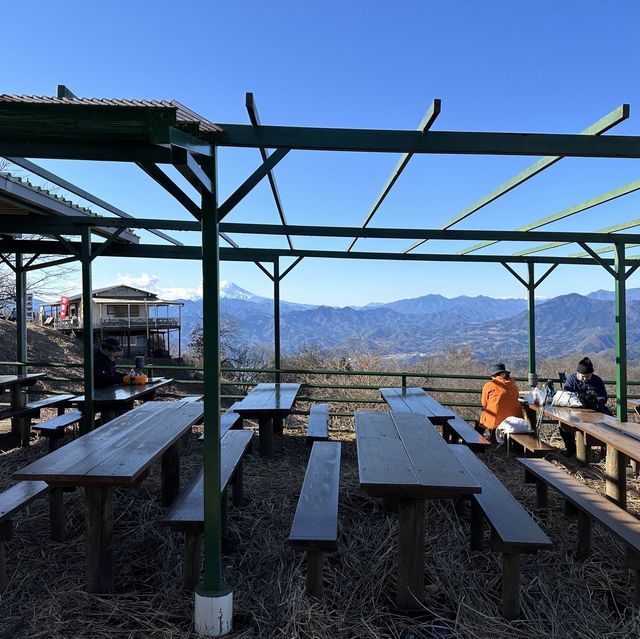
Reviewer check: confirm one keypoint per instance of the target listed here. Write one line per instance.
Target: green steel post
(404, 381)
(87, 331)
(531, 289)
(21, 315)
(621, 334)
(276, 318)
(211, 366)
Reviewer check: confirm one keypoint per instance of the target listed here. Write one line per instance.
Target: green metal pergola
(157, 134)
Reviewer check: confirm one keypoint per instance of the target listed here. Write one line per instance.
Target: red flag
(64, 305)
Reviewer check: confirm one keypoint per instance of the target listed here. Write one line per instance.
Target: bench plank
(59, 423)
(187, 511)
(532, 444)
(508, 519)
(20, 495)
(318, 424)
(622, 524)
(467, 434)
(36, 406)
(315, 524)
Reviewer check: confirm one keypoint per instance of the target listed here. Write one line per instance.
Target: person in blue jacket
(104, 365)
(591, 390)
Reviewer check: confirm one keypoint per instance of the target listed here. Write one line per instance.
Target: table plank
(401, 454)
(277, 400)
(124, 393)
(118, 452)
(417, 401)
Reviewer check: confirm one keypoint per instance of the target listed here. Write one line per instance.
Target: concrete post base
(213, 614)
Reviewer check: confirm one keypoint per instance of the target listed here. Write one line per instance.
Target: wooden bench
(318, 425)
(229, 421)
(457, 430)
(533, 446)
(588, 505)
(512, 529)
(12, 501)
(53, 429)
(315, 524)
(24, 414)
(187, 511)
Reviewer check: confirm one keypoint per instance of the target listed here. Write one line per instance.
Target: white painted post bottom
(213, 615)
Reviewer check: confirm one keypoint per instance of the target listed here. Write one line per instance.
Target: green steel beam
(76, 190)
(63, 149)
(609, 229)
(190, 169)
(252, 110)
(233, 243)
(621, 333)
(601, 126)
(572, 210)
(531, 304)
(188, 142)
(291, 267)
(213, 582)
(159, 176)
(51, 263)
(423, 127)
(602, 251)
(252, 181)
(447, 142)
(21, 313)
(276, 317)
(87, 331)
(436, 234)
(598, 259)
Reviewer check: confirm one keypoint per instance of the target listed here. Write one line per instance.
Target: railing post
(87, 331)
(276, 318)
(21, 315)
(404, 380)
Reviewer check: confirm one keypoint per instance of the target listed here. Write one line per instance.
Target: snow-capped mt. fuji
(231, 291)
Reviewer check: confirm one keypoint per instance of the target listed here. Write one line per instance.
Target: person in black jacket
(591, 390)
(104, 365)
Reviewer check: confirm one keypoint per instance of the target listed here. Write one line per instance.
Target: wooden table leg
(616, 476)
(18, 400)
(410, 586)
(582, 448)
(106, 415)
(278, 425)
(265, 428)
(170, 474)
(99, 538)
(56, 515)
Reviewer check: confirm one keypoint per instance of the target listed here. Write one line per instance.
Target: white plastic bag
(566, 398)
(511, 425)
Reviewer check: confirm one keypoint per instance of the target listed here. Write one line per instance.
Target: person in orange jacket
(499, 399)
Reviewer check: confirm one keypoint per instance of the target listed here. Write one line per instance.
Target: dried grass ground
(560, 597)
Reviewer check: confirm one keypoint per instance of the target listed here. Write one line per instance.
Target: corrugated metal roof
(184, 115)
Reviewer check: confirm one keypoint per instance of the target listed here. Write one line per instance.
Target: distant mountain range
(411, 328)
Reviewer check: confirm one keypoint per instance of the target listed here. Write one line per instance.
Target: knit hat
(112, 343)
(585, 366)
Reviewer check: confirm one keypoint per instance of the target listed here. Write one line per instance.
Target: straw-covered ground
(561, 597)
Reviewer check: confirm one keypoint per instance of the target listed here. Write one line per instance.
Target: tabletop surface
(268, 398)
(623, 436)
(125, 393)
(29, 378)
(415, 400)
(403, 455)
(118, 452)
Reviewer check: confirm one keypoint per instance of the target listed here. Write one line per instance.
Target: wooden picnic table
(117, 454)
(265, 403)
(622, 440)
(401, 456)
(15, 384)
(416, 400)
(115, 400)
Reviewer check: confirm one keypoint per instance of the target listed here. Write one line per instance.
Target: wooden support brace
(584, 535)
(511, 585)
(477, 526)
(315, 562)
(410, 581)
(237, 485)
(569, 509)
(56, 515)
(6, 534)
(542, 494)
(192, 560)
(99, 538)
(170, 479)
(529, 477)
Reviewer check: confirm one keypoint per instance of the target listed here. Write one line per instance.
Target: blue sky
(497, 66)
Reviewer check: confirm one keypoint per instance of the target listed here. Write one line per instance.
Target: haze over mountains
(411, 328)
